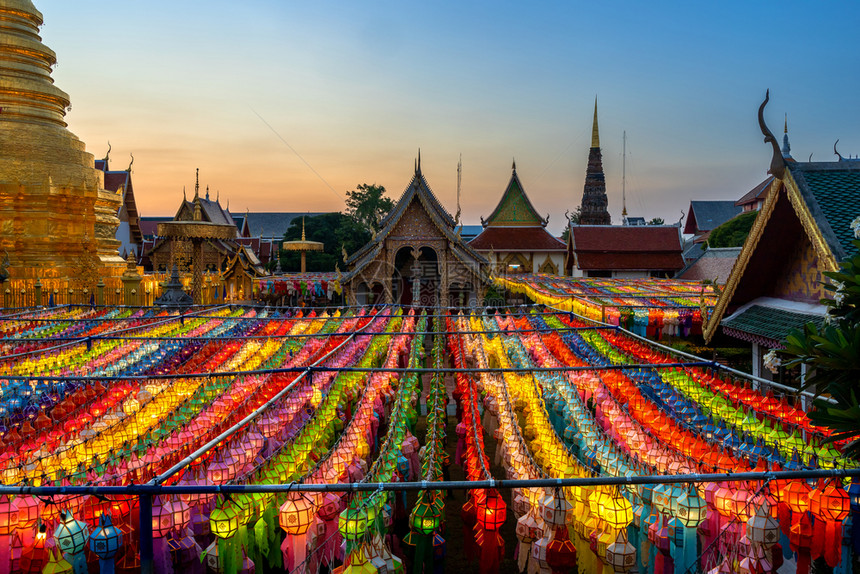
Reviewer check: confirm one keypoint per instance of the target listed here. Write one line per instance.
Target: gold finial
(785, 131)
(303, 228)
(514, 166)
(595, 136)
(197, 184)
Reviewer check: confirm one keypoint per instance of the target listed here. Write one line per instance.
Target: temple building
(217, 254)
(128, 233)
(416, 256)
(705, 216)
(802, 231)
(623, 252)
(57, 220)
(594, 201)
(514, 237)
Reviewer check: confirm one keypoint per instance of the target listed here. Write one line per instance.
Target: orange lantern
(297, 513)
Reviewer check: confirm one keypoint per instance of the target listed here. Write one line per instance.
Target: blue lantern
(105, 542)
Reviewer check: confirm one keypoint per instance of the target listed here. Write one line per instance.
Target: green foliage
(656, 221)
(832, 356)
(333, 230)
(367, 205)
(733, 232)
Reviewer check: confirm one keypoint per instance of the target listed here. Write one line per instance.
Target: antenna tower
(624, 180)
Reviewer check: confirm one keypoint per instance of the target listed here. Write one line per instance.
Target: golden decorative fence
(114, 291)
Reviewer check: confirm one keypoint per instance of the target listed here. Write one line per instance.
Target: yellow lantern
(615, 510)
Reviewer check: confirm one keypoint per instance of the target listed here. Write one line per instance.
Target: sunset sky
(284, 106)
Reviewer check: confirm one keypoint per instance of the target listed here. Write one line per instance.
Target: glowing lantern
(71, 535)
(796, 496)
(296, 513)
(690, 508)
(57, 564)
(35, 558)
(352, 523)
(491, 515)
(724, 501)
(224, 520)
(9, 515)
(180, 512)
(162, 518)
(615, 510)
(105, 542)
(28, 512)
(424, 518)
(835, 503)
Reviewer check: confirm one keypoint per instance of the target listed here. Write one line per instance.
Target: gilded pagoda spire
(595, 134)
(50, 191)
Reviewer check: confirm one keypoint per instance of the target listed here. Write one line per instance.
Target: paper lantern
(35, 558)
(621, 555)
(835, 503)
(492, 514)
(106, 539)
(560, 552)
(28, 512)
(9, 515)
(424, 519)
(762, 529)
(180, 512)
(690, 508)
(615, 510)
(71, 535)
(162, 518)
(796, 495)
(224, 520)
(352, 523)
(556, 510)
(296, 514)
(724, 501)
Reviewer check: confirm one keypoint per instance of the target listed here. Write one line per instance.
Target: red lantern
(492, 514)
(560, 552)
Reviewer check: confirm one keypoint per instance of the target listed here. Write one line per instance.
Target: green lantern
(224, 520)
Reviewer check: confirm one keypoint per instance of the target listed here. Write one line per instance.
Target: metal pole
(146, 551)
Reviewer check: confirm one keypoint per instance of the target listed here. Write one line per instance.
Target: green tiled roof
(770, 323)
(835, 191)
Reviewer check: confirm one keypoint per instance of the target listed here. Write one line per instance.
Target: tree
(832, 355)
(367, 205)
(656, 221)
(733, 232)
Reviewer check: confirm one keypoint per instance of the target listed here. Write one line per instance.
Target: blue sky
(356, 88)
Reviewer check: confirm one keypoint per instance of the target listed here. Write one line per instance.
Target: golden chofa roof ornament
(52, 199)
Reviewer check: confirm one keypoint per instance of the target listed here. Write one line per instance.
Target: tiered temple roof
(515, 224)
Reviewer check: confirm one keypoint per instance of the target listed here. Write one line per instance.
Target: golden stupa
(56, 218)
